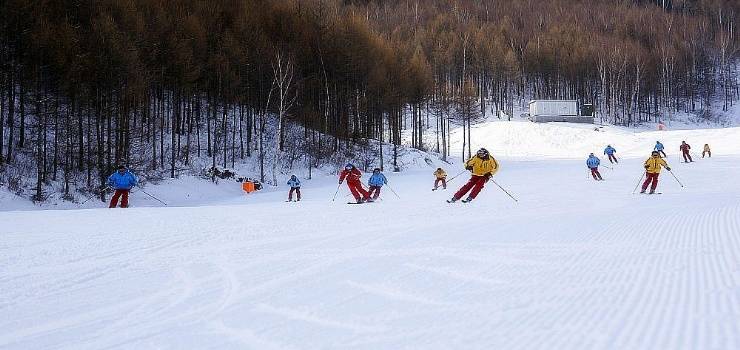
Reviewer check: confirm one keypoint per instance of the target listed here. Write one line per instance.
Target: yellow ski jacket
(654, 163)
(481, 167)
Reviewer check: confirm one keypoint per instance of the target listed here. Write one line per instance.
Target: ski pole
(394, 192)
(94, 195)
(505, 191)
(155, 198)
(448, 181)
(337, 191)
(674, 176)
(638, 183)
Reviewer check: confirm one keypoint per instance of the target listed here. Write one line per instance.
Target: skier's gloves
(647, 166)
(469, 168)
(667, 168)
(340, 182)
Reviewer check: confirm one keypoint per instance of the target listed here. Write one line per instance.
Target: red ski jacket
(685, 147)
(351, 175)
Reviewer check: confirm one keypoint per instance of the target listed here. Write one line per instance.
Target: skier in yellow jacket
(440, 176)
(482, 166)
(652, 170)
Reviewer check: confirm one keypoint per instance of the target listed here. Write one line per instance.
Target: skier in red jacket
(353, 176)
(685, 151)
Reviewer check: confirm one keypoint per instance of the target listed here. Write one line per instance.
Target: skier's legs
(298, 193)
(444, 183)
(114, 199)
(598, 173)
(463, 190)
(124, 199)
(377, 191)
(655, 183)
(436, 183)
(648, 179)
(663, 153)
(353, 189)
(290, 194)
(594, 172)
(685, 154)
(689, 155)
(478, 186)
(358, 190)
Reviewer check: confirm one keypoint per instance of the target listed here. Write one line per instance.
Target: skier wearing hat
(652, 170)
(122, 181)
(295, 186)
(659, 148)
(482, 166)
(609, 151)
(376, 181)
(685, 148)
(353, 175)
(593, 163)
(440, 176)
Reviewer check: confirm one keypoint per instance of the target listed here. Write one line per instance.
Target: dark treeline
(157, 84)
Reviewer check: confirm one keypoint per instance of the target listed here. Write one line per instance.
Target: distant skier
(375, 182)
(593, 163)
(440, 176)
(685, 148)
(295, 186)
(609, 151)
(482, 166)
(659, 147)
(122, 181)
(652, 170)
(353, 176)
(706, 151)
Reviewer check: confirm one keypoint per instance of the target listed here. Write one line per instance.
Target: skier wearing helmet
(482, 166)
(376, 181)
(353, 175)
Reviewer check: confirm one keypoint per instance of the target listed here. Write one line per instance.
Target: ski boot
(467, 200)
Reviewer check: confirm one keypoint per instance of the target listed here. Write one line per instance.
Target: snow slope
(575, 264)
(521, 139)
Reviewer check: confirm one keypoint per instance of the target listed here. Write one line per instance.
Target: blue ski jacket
(294, 183)
(593, 162)
(377, 180)
(609, 150)
(125, 181)
(659, 146)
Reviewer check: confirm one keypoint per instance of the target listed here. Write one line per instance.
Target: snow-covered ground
(575, 264)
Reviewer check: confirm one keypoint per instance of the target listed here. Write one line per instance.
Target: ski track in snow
(576, 264)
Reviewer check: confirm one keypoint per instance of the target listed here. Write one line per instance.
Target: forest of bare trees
(156, 84)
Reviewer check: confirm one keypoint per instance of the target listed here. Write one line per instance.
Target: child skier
(609, 151)
(375, 182)
(441, 176)
(353, 176)
(482, 166)
(659, 148)
(652, 170)
(685, 147)
(593, 163)
(706, 151)
(122, 181)
(295, 186)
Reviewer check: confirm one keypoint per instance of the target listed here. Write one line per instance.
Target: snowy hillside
(575, 264)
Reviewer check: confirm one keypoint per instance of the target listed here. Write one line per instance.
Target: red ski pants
(356, 188)
(374, 192)
(687, 157)
(595, 173)
(443, 181)
(118, 194)
(613, 158)
(297, 191)
(475, 183)
(650, 177)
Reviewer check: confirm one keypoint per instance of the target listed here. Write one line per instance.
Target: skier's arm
(342, 175)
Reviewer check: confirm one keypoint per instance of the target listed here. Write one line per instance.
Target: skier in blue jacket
(376, 181)
(122, 181)
(609, 151)
(659, 147)
(593, 163)
(295, 186)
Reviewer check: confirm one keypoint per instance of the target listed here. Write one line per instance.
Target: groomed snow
(576, 264)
